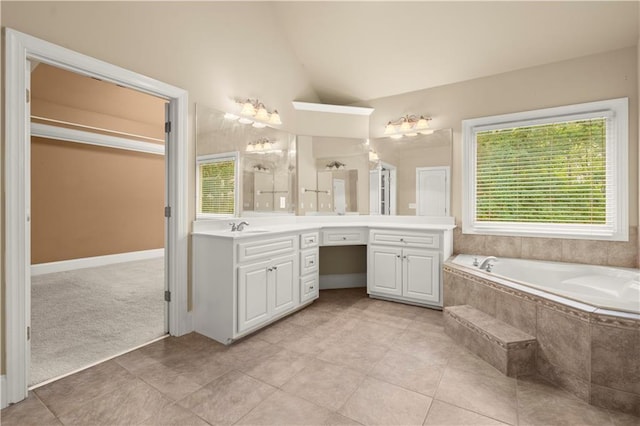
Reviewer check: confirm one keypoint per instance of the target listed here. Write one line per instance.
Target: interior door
(432, 191)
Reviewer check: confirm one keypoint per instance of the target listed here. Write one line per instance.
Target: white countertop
(268, 226)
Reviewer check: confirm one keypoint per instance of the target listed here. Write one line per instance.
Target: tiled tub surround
(610, 253)
(591, 352)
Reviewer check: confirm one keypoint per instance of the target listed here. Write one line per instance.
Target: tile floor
(345, 360)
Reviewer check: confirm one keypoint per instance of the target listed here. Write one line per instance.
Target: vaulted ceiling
(355, 51)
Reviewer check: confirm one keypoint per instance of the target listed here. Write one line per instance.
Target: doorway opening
(98, 190)
(20, 49)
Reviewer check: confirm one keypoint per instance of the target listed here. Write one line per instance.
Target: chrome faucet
(241, 225)
(485, 263)
(234, 227)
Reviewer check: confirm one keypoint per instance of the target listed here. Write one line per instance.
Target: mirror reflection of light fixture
(263, 146)
(373, 156)
(336, 165)
(408, 125)
(253, 112)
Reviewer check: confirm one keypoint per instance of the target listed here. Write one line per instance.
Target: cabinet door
(253, 295)
(309, 288)
(384, 272)
(286, 290)
(421, 277)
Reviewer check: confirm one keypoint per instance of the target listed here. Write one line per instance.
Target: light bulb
(229, 116)
(427, 132)
(267, 145)
(245, 120)
(262, 113)
(411, 134)
(423, 123)
(258, 125)
(250, 148)
(406, 125)
(389, 129)
(248, 109)
(396, 136)
(275, 118)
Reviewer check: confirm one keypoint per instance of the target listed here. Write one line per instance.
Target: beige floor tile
(623, 419)
(324, 384)
(277, 369)
(227, 399)
(445, 414)
(489, 396)
(170, 383)
(174, 415)
(245, 351)
(135, 361)
(309, 318)
(427, 316)
(380, 403)
(462, 359)
(130, 404)
(30, 412)
(431, 347)
(277, 332)
(409, 372)
(336, 419)
(201, 370)
(354, 352)
(71, 392)
(199, 342)
(305, 342)
(540, 403)
(281, 408)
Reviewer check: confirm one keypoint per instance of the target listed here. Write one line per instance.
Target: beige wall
(605, 76)
(92, 201)
(199, 46)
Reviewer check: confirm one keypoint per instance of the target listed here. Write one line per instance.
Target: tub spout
(485, 263)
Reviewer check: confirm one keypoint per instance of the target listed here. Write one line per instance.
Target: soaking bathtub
(616, 289)
(585, 319)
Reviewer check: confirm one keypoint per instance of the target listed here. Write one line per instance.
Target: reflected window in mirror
(217, 185)
(266, 162)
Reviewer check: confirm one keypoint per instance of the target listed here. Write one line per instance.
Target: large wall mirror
(411, 175)
(246, 171)
(243, 170)
(333, 175)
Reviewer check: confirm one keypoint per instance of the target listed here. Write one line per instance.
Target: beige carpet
(83, 316)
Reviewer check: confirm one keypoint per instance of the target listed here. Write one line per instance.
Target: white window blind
(558, 172)
(217, 185)
(550, 173)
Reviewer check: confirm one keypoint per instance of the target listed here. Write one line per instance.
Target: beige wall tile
(615, 358)
(542, 249)
(584, 251)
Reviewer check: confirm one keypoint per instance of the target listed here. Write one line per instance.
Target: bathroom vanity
(243, 281)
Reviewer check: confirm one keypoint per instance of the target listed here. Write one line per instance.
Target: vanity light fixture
(336, 165)
(409, 125)
(253, 112)
(373, 156)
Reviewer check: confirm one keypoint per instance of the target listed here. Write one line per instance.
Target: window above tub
(556, 172)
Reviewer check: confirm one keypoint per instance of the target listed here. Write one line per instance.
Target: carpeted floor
(83, 316)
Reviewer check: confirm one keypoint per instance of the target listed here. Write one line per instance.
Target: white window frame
(215, 158)
(617, 146)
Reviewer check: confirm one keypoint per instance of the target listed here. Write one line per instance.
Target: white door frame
(447, 189)
(19, 48)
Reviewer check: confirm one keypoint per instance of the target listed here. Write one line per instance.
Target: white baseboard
(3, 392)
(333, 281)
(90, 262)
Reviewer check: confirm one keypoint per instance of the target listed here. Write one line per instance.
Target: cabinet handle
(311, 263)
(344, 238)
(275, 268)
(269, 269)
(404, 257)
(402, 240)
(398, 256)
(311, 287)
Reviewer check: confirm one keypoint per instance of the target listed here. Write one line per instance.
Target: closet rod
(51, 120)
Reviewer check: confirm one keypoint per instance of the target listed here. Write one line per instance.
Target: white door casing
(339, 196)
(19, 50)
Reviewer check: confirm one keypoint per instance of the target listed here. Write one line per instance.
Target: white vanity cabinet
(309, 267)
(405, 265)
(242, 284)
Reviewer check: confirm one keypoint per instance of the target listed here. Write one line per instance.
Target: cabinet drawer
(344, 237)
(309, 288)
(266, 248)
(405, 239)
(309, 239)
(308, 261)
